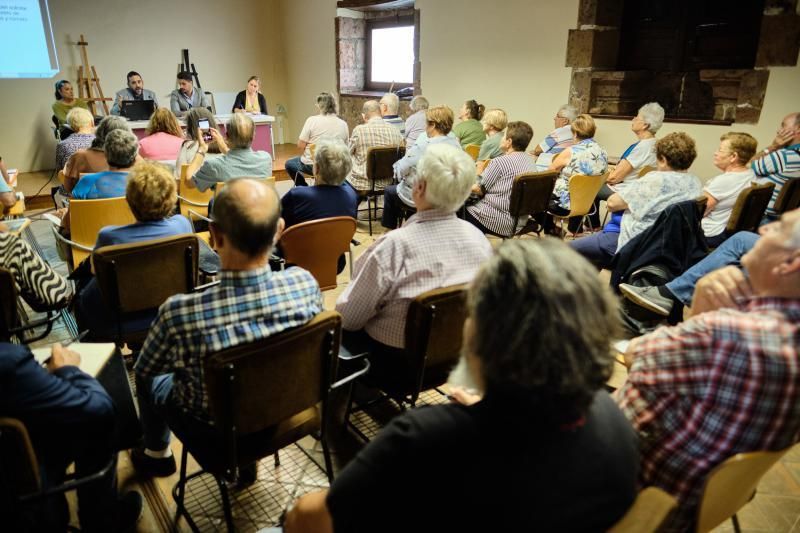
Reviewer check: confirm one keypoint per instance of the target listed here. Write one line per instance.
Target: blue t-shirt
(143, 231)
(106, 184)
(302, 204)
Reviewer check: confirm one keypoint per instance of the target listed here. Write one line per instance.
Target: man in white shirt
(558, 139)
(390, 104)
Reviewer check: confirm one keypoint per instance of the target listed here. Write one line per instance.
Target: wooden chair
(748, 211)
(648, 512)
(731, 485)
(789, 197)
(15, 211)
(138, 277)
(190, 198)
(645, 169)
(317, 245)
(264, 396)
(473, 150)
(379, 167)
(481, 165)
(530, 194)
(583, 190)
(11, 325)
(87, 218)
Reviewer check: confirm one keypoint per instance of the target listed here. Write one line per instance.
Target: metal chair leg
(277, 460)
(735, 520)
(369, 212)
(226, 503)
(326, 453)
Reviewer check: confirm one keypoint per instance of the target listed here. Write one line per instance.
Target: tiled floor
(776, 507)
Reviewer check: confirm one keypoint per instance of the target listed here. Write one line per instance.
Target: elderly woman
(536, 346)
(439, 122)
(65, 101)
(326, 124)
(415, 124)
(491, 213)
(470, 129)
(82, 123)
(732, 158)
(164, 136)
(199, 122)
(494, 122)
(93, 159)
(644, 199)
(557, 140)
(251, 100)
(151, 194)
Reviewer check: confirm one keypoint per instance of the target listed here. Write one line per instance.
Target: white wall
(228, 42)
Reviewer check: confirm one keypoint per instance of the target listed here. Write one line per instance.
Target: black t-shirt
(489, 468)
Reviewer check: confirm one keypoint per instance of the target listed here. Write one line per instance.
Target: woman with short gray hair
(415, 124)
(81, 122)
(93, 159)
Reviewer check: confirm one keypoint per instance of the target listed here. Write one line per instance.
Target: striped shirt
(36, 281)
(496, 181)
(433, 249)
(375, 133)
(778, 167)
(246, 306)
(718, 384)
(70, 145)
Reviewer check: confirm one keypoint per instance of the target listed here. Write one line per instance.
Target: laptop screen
(137, 109)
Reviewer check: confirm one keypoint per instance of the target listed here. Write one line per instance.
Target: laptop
(137, 109)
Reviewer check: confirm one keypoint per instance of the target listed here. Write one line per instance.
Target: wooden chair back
(789, 197)
(18, 462)
(473, 150)
(88, 217)
(645, 169)
(748, 211)
(316, 246)
(380, 161)
(583, 190)
(731, 485)
(530, 194)
(651, 507)
(190, 198)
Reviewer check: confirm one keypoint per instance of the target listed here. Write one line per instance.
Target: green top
(469, 132)
(60, 109)
(491, 147)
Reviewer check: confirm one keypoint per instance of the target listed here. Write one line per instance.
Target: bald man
(374, 132)
(780, 161)
(250, 303)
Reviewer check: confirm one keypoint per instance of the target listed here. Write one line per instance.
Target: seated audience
(191, 144)
(433, 249)
(536, 344)
(780, 161)
(38, 284)
(65, 102)
(557, 140)
(239, 160)
(92, 159)
(326, 124)
(390, 106)
(251, 100)
(470, 129)
(439, 122)
(724, 381)
(164, 137)
(732, 158)
(415, 124)
(151, 194)
(374, 133)
(250, 303)
(82, 123)
(134, 91)
(186, 96)
(70, 419)
(644, 199)
(494, 122)
(491, 213)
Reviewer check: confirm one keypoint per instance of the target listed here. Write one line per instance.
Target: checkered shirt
(246, 306)
(433, 249)
(374, 133)
(721, 383)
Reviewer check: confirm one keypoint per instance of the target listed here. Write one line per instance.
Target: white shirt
(642, 155)
(725, 188)
(319, 127)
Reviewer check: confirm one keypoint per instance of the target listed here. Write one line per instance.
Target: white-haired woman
(81, 122)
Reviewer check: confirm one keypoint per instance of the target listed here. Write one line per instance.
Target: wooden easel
(85, 84)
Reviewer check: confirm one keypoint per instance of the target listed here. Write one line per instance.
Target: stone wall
(351, 45)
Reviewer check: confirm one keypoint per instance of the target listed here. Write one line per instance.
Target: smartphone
(204, 127)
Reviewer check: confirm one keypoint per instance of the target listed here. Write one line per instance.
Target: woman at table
(164, 137)
(250, 100)
(65, 101)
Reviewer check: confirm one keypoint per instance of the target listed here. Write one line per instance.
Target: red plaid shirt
(721, 383)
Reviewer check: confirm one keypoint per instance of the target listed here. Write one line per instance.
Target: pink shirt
(160, 147)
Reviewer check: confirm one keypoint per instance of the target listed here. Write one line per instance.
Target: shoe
(129, 509)
(648, 297)
(152, 466)
(247, 476)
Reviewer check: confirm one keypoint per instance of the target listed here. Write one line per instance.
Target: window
(390, 53)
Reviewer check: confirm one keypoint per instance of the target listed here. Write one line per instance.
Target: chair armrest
(198, 215)
(355, 375)
(196, 204)
(69, 242)
(72, 484)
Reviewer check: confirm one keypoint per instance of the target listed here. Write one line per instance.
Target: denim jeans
(598, 248)
(294, 166)
(728, 253)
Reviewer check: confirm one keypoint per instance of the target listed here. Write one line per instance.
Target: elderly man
(536, 343)
(780, 161)
(415, 124)
(724, 381)
(250, 303)
(558, 139)
(433, 249)
(375, 132)
(134, 91)
(185, 97)
(239, 160)
(390, 104)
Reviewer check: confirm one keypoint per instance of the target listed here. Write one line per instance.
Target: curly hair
(677, 149)
(543, 325)
(164, 120)
(151, 191)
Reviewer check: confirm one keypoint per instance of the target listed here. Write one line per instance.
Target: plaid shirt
(721, 383)
(246, 306)
(374, 133)
(433, 249)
